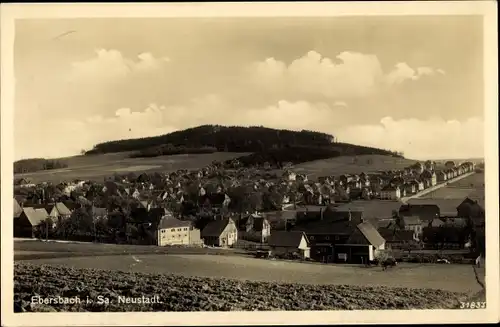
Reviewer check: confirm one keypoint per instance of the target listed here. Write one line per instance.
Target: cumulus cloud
(110, 66)
(418, 139)
(421, 139)
(403, 72)
(350, 74)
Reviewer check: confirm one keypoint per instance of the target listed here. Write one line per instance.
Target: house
(28, 221)
(418, 167)
(411, 223)
(18, 210)
(282, 243)
(419, 185)
(172, 231)
(441, 176)
(429, 178)
(220, 232)
(342, 240)
(425, 212)
(397, 238)
(57, 211)
(390, 192)
(410, 188)
(449, 164)
(470, 208)
(445, 237)
(254, 228)
(436, 222)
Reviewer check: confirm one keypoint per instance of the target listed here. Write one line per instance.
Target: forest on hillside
(222, 138)
(37, 164)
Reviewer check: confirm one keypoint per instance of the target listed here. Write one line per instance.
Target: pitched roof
(423, 211)
(437, 222)
(62, 209)
(171, 222)
(286, 239)
(395, 235)
(35, 216)
(17, 209)
(411, 220)
(371, 234)
(446, 206)
(215, 228)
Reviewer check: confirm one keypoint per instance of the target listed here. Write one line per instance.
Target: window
(336, 238)
(327, 238)
(179, 229)
(312, 238)
(162, 231)
(185, 228)
(172, 230)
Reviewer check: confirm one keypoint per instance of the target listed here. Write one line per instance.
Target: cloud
(421, 139)
(350, 74)
(109, 66)
(402, 72)
(418, 139)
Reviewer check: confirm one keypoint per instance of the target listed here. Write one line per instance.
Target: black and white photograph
(265, 160)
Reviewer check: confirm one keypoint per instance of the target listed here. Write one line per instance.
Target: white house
(282, 243)
(390, 193)
(221, 232)
(172, 231)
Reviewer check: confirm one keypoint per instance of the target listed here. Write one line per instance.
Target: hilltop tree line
(266, 144)
(222, 138)
(37, 164)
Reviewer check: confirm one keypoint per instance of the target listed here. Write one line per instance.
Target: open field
(460, 278)
(471, 186)
(178, 293)
(24, 250)
(351, 165)
(96, 167)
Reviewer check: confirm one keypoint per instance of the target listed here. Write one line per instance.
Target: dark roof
(411, 220)
(286, 239)
(71, 205)
(395, 235)
(328, 227)
(446, 206)
(215, 228)
(171, 222)
(423, 211)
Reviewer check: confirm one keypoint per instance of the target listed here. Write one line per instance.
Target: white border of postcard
(487, 9)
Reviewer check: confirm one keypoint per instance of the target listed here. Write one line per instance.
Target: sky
(412, 84)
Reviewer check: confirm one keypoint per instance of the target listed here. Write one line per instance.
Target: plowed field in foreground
(179, 293)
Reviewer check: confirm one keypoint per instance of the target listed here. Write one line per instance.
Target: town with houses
(282, 215)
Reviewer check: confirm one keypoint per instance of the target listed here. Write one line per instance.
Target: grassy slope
(460, 278)
(96, 167)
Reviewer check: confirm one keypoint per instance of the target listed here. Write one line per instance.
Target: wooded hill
(274, 146)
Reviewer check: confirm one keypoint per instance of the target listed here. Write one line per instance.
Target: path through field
(457, 278)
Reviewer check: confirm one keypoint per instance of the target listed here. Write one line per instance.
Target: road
(436, 187)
